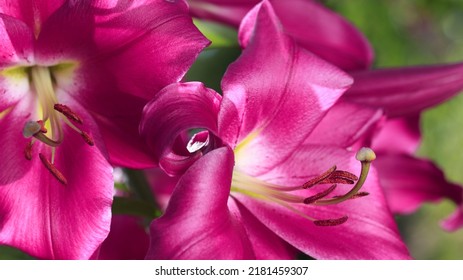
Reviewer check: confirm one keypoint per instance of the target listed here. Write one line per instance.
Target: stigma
(289, 196)
(49, 128)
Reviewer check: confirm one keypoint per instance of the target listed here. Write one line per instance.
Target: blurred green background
(402, 32)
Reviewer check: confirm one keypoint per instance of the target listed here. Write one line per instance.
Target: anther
(313, 198)
(87, 138)
(318, 179)
(330, 222)
(53, 170)
(365, 156)
(68, 113)
(28, 150)
(43, 129)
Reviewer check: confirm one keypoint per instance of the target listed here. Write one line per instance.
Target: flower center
(49, 129)
(290, 196)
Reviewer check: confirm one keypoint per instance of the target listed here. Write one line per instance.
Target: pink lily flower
(74, 77)
(402, 93)
(312, 26)
(249, 186)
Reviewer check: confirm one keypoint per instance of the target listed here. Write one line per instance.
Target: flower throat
(49, 129)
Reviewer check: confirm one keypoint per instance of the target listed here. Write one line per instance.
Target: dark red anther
(87, 138)
(330, 222)
(28, 151)
(337, 180)
(313, 198)
(53, 170)
(66, 111)
(318, 179)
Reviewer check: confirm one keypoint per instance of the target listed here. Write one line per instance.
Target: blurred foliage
(405, 32)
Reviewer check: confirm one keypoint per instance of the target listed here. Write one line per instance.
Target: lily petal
(59, 221)
(408, 182)
(31, 12)
(127, 239)
(344, 124)
(272, 114)
(184, 231)
(318, 30)
(192, 106)
(406, 134)
(17, 49)
(265, 244)
(402, 91)
(370, 231)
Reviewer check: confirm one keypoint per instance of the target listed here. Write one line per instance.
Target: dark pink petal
(370, 231)
(47, 219)
(318, 30)
(455, 221)
(31, 12)
(405, 132)
(265, 244)
(127, 240)
(197, 223)
(225, 11)
(408, 182)
(402, 91)
(344, 124)
(162, 185)
(177, 109)
(274, 95)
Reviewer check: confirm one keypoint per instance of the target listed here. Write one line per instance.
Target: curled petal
(198, 225)
(175, 110)
(402, 91)
(274, 95)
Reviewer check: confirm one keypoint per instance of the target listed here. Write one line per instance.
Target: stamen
(330, 222)
(313, 198)
(87, 138)
(366, 156)
(53, 170)
(318, 179)
(43, 129)
(68, 113)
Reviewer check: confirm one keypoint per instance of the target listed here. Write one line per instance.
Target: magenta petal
(47, 219)
(408, 182)
(403, 91)
(127, 240)
(275, 94)
(455, 221)
(405, 132)
(318, 30)
(177, 109)
(344, 124)
(31, 12)
(370, 231)
(265, 244)
(197, 223)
